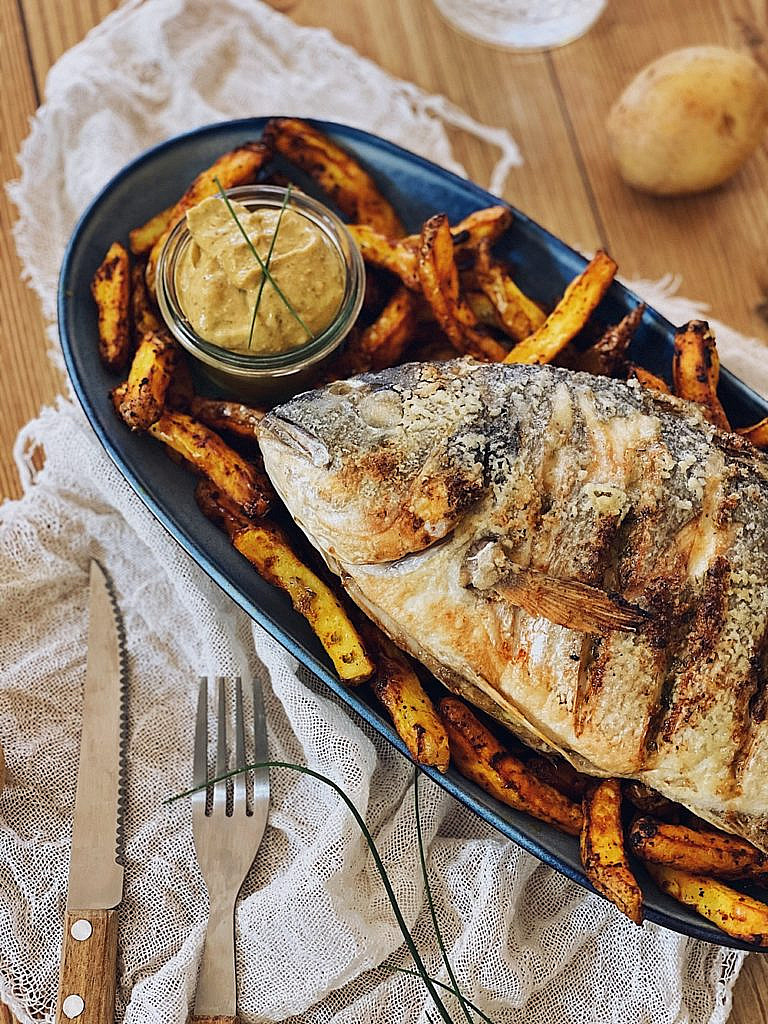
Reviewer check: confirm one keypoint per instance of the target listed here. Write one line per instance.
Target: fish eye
(381, 409)
(346, 387)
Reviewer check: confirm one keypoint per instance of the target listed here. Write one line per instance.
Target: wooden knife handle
(88, 975)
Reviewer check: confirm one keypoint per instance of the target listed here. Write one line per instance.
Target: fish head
(382, 465)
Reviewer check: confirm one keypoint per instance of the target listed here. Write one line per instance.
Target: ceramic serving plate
(417, 188)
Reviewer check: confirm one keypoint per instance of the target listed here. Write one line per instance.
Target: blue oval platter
(417, 188)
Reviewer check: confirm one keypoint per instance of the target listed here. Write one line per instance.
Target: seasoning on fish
(400, 478)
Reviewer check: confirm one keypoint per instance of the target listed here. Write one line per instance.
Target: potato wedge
(238, 167)
(439, 278)
(350, 187)
(650, 802)
(141, 239)
(484, 310)
(145, 319)
(241, 420)
(581, 298)
(480, 757)
(706, 853)
(399, 257)
(220, 508)
(696, 368)
(150, 375)
(400, 691)
(757, 434)
(648, 379)
(208, 454)
(117, 394)
(518, 315)
(738, 915)
(111, 291)
(559, 774)
(267, 548)
(385, 340)
(608, 356)
(486, 225)
(602, 849)
(181, 390)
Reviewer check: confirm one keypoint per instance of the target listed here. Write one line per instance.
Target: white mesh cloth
(313, 927)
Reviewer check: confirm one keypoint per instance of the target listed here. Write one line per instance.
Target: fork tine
(220, 788)
(226, 844)
(240, 785)
(200, 763)
(260, 795)
(260, 749)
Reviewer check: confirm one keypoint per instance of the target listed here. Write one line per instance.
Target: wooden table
(555, 106)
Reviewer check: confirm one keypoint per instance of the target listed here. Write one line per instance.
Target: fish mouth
(410, 562)
(300, 441)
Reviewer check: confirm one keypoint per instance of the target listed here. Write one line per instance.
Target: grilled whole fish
(584, 559)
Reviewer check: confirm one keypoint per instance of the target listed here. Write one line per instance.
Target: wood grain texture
(53, 26)
(88, 968)
(410, 40)
(554, 106)
(704, 238)
(27, 378)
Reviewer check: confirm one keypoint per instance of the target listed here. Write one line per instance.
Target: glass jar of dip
(278, 371)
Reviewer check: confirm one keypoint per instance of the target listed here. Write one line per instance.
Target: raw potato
(689, 120)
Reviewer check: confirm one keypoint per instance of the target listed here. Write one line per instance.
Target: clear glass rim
(274, 365)
(515, 43)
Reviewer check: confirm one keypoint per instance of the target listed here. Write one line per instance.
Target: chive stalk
(446, 988)
(407, 937)
(431, 903)
(264, 270)
(267, 263)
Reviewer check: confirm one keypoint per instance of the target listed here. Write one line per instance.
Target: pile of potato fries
(429, 295)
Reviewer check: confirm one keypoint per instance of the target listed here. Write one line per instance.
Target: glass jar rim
(283, 363)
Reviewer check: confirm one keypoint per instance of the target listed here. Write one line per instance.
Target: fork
(226, 840)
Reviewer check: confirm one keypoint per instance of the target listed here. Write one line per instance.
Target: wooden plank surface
(27, 377)
(717, 241)
(554, 105)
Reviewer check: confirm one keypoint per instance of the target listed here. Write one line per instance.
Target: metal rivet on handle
(81, 930)
(73, 1006)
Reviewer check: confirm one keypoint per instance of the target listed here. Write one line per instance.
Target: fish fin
(568, 602)
(489, 567)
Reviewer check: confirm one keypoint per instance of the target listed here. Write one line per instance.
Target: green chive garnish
(407, 937)
(431, 903)
(268, 260)
(444, 987)
(264, 269)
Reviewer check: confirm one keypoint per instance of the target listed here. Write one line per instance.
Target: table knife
(88, 975)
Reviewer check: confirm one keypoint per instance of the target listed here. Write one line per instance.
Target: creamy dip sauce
(218, 278)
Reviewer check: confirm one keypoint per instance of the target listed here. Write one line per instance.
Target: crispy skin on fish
(585, 559)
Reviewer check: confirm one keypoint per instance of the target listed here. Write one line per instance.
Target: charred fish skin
(626, 622)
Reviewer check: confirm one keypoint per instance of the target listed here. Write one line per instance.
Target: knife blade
(88, 976)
